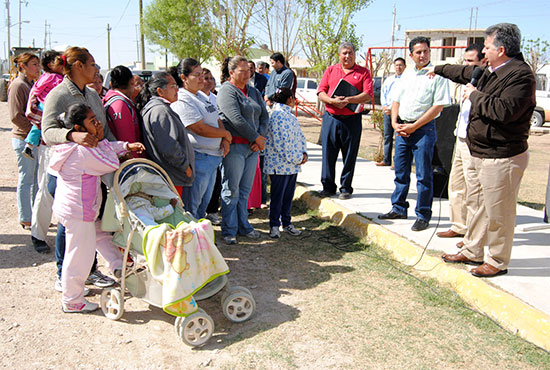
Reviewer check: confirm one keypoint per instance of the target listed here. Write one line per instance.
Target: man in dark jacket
(502, 105)
(257, 80)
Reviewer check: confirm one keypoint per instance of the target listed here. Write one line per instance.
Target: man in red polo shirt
(342, 127)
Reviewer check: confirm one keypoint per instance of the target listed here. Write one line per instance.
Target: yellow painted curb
(511, 312)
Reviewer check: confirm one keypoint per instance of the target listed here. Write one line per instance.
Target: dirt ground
(323, 302)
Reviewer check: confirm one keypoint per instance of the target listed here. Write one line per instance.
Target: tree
(327, 25)
(228, 23)
(282, 20)
(536, 53)
(180, 27)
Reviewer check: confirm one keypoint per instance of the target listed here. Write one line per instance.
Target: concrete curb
(511, 312)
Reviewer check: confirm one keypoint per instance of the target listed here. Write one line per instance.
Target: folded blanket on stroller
(183, 260)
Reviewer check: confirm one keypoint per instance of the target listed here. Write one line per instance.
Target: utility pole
(8, 25)
(45, 34)
(137, 42)
(393, 31)
(50, 34)
(20, 2)
(108, 47)
(141, 33)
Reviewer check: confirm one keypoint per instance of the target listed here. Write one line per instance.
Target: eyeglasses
(209, 78)
(97, 66)
(196, 74)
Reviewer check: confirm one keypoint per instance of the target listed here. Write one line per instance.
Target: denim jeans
(340, 134)
(419, 145)
(388, 139)
(205, 178)
(27, 183)
(238, 170)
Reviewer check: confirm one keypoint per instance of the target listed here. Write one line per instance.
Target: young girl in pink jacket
(77, 200)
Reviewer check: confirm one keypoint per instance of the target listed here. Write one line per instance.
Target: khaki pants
(461, 206)
(493, 185)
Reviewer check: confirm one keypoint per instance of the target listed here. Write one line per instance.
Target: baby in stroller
(145, 206)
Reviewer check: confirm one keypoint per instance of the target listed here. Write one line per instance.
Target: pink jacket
(78, 193)
(39, 91)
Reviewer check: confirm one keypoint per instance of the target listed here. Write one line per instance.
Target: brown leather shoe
(382, 164)
(487, 270)
(460, 244)
(449, 234)
(459, 258)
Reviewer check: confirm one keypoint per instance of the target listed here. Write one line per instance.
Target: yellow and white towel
(183, 260)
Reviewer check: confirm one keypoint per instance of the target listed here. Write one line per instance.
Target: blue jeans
(388, 139)
(27, 183)
(238, 170)
(419, 145)
(205, 177)
(340, 133)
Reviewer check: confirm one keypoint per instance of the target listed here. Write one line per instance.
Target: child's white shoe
(84, 307)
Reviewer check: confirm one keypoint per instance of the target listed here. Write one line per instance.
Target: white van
(306, 90)
(542, 110)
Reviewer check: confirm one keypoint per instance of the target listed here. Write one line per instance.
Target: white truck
(542, 110)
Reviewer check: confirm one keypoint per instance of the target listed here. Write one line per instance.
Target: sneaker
(326, 194)
(274, 232)
(214, 218)
(230, 240)
(59, 287)
(254, 234)
(344, 196)
(292, 230)
(99, 280)
(84, 307)
(27, 152)
(40, 245)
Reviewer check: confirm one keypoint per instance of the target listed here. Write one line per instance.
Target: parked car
(542, 109)
(377, 88)
(306, 90)
(4, 87)
(145, 76)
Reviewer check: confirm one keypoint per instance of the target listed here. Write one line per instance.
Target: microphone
(476, 75)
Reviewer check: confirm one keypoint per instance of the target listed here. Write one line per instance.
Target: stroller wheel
(112, 303)
(239, 306)
(235, 289)
(195, 329)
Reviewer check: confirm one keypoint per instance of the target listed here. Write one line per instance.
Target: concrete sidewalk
(528, 277)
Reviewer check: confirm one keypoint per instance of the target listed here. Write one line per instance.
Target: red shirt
(358, 76)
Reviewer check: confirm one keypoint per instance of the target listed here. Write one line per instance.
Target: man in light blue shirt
(386, 100)
(417, 102)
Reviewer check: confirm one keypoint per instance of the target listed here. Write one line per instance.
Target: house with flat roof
(447, 37)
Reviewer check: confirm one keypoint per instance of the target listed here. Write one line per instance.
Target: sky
(84, 23)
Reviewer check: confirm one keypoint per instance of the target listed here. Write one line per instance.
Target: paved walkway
(528, 275)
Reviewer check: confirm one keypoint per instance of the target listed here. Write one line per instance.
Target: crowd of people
(69, 130)
(218, 147)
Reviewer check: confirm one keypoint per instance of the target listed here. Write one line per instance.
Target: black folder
(344, 88)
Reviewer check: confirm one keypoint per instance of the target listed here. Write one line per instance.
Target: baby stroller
(169, 265)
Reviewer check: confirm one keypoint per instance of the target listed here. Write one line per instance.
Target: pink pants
(81, 241)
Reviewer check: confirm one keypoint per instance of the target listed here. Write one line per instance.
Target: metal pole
(8, 25)
(45, 34)
(19, 1)
(142, 37)
(108, 47)
(137, 43)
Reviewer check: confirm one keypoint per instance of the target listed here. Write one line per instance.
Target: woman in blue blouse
(285, 152)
